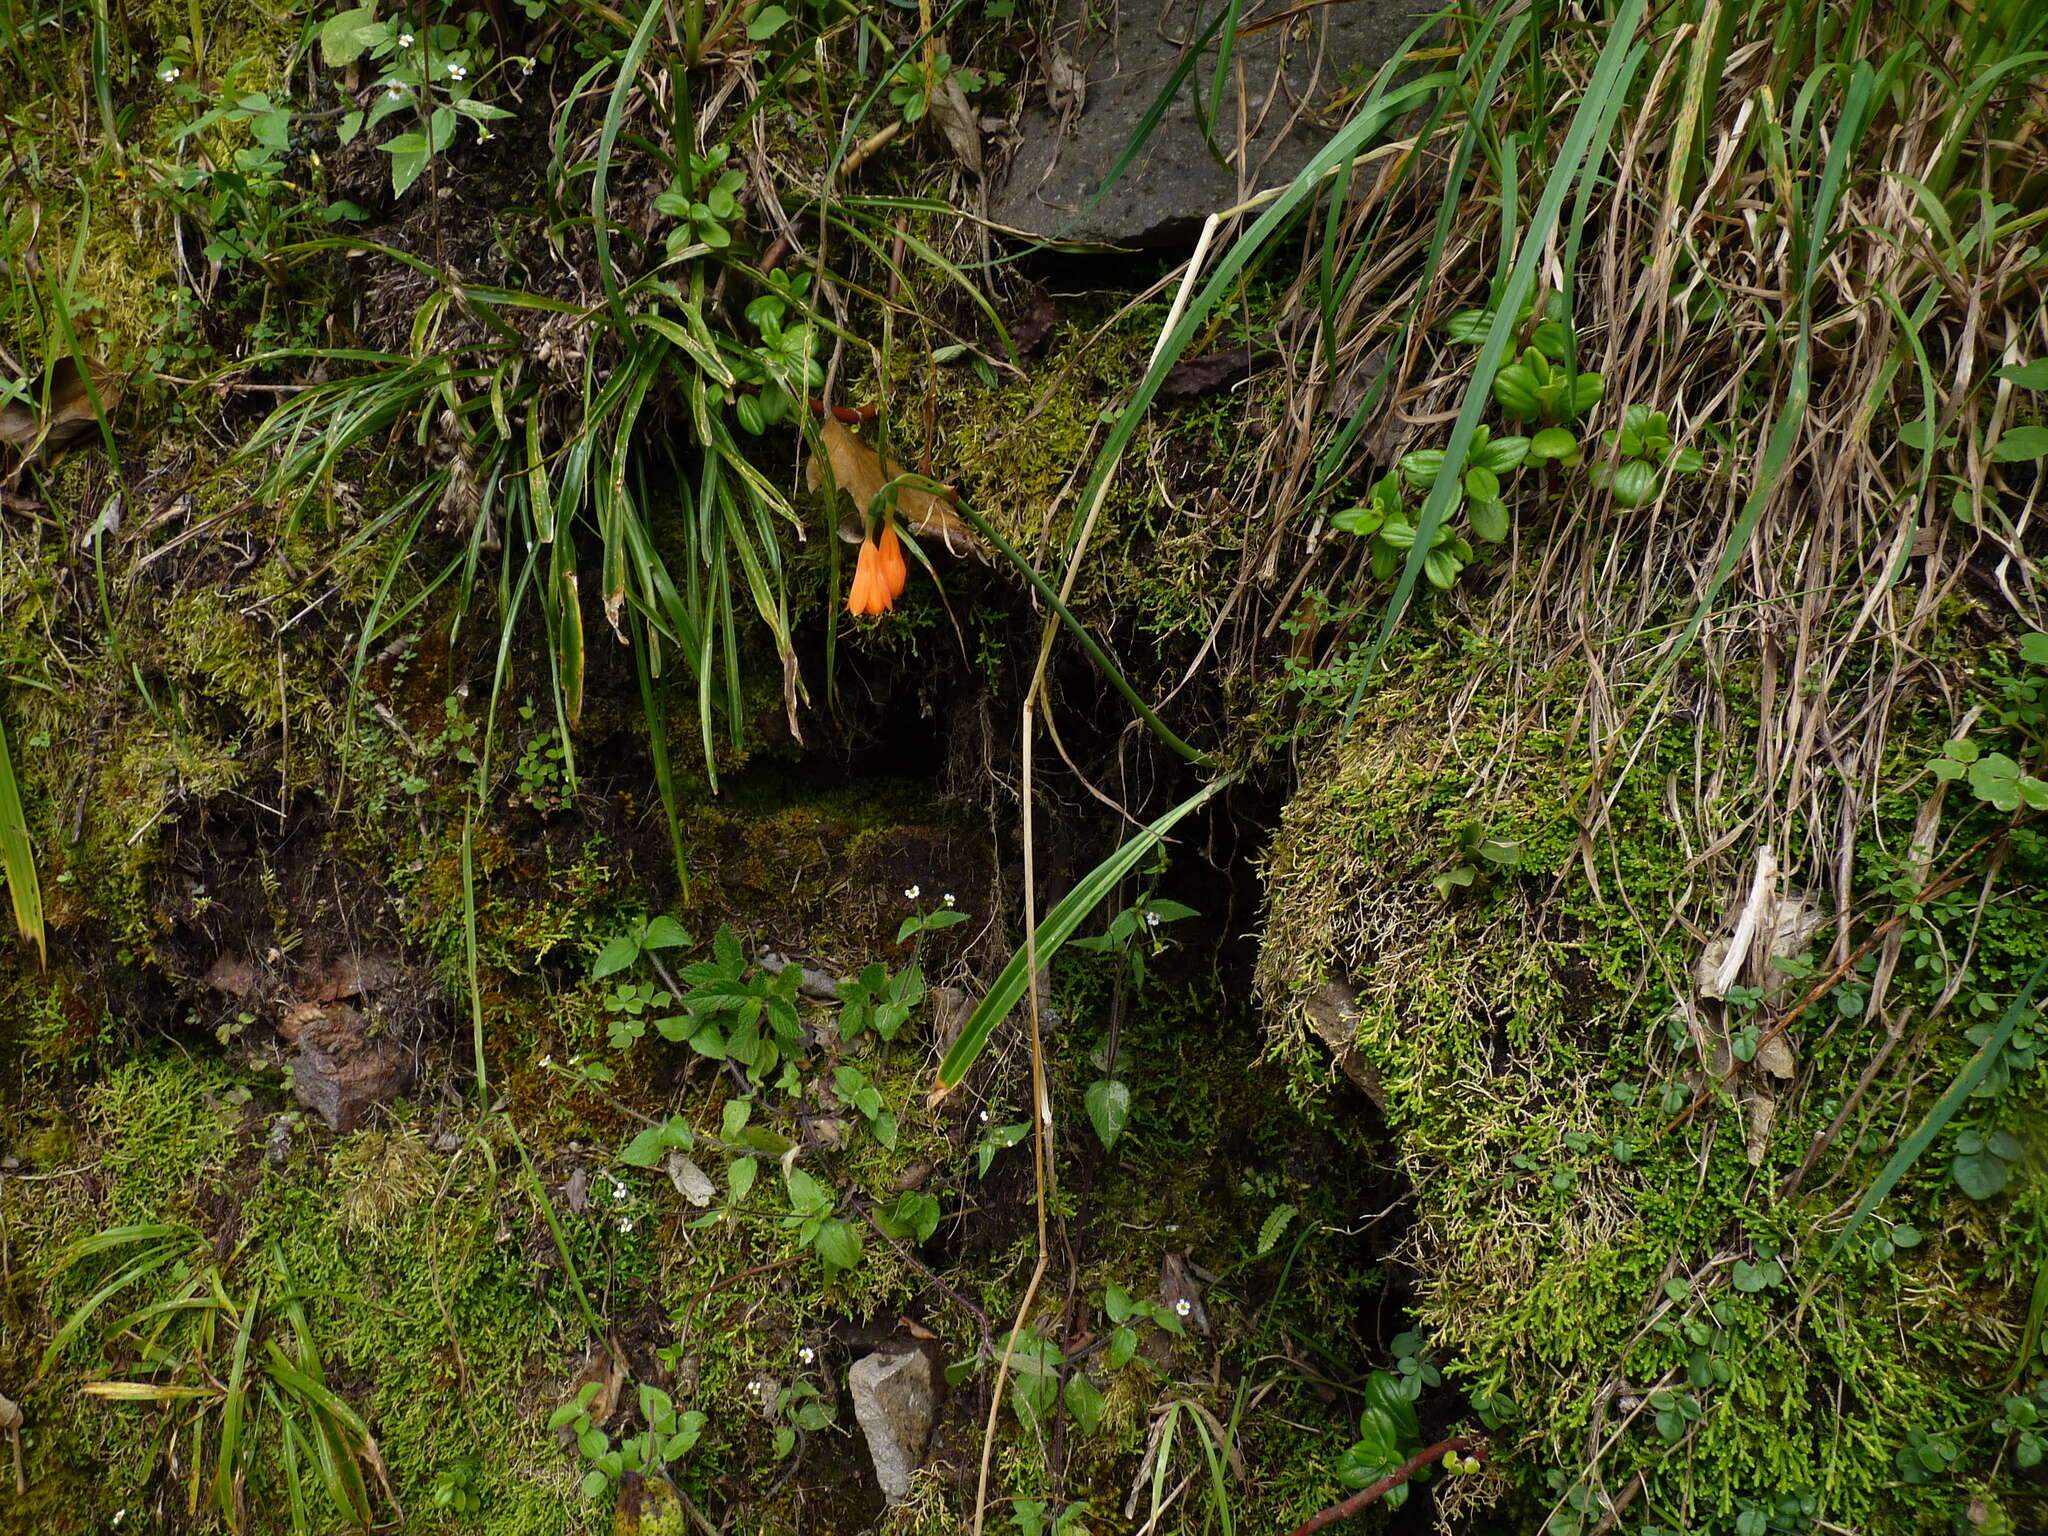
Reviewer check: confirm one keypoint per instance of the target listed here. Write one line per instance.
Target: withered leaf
(606, 1367)
(1212, 371)
(956, 118)
(1066, 83)
(29, 427)
(1030, 331)
(862, 473)
(691, 1182)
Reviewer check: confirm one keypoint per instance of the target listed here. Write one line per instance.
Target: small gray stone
(895, 1394)
(1106, 65)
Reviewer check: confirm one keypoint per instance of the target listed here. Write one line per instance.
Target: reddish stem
(850, 414)
(1392, 1480)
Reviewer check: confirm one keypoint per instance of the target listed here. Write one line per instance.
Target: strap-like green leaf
(1054, 931)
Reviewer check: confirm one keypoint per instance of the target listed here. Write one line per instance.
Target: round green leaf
(1489, 519)
(1980, 1175)
(1635, 483)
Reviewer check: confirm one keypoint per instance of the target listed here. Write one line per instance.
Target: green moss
(1526, 1031)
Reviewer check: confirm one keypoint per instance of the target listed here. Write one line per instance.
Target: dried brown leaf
(31, 427)
(1030, 331)
(606, 1367)
(956, 118)
(1213, 371)
(691, 1182)
(862, 473)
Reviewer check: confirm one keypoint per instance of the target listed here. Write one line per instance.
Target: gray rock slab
(895, 1394)
(1283, 87)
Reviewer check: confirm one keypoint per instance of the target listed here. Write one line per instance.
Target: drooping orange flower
(879, 574)
(893, 565)
(870, 593)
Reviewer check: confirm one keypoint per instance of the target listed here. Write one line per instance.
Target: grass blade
(18, 858)
(1053, 932)
(1617, 63)
(1975, 1070)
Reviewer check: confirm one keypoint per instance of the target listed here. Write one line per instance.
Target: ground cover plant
(1381, 866)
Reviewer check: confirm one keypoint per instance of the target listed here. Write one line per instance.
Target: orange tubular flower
(870, 593)
(893, 566)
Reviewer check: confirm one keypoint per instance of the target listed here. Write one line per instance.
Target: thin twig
(988, 1343)
(1393, 1480)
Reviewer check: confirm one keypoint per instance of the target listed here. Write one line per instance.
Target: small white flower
(984, 1117)
(395, 93)
(625, 1223)
(547, 1061)
(1151, 919)
(949, 898)
(526, 66)
(484, 135)
(807, 1354)
(456, 72)
(618, 1191)
(911, 892)
(1182, 1307)
(405, 39)
(169, 73)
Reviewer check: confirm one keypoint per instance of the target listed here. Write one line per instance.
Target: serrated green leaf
(1271, 1229)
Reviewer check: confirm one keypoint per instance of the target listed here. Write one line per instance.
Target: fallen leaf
(1066, 83)
(858, 470)
(349, 976)
(691, 1182)
(951, 1009)
(1212, 371)
(949, 108)
(31, 427)
(1034, 328)
(234, 974)
(1762, 1107)
(1348, 390)
(647, 1505)
(606, 1367)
